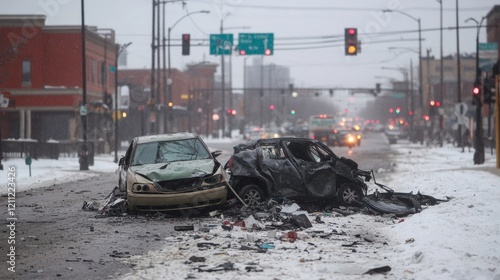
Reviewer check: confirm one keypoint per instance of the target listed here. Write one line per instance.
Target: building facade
(41, 72)
(188, 107)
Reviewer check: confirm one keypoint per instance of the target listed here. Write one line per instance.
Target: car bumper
(180, 201)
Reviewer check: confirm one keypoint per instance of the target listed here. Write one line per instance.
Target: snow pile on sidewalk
(458, 239)
(47, 172)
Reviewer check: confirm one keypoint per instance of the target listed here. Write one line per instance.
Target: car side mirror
(216, 153)
(121, 161)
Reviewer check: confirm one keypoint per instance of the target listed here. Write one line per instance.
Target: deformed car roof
(166, 137)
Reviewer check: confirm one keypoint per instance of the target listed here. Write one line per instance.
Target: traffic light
(108, 100)
(432, 108)
(268, 52)
(186, 42)
(351, 41)
(398, 110)
(489, 90)
(476, 93)
(271, 107)
(377, 88)
(476, 90)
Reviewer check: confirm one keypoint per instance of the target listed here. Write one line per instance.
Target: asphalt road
(56, 239)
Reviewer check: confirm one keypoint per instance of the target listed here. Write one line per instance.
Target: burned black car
(295, 168)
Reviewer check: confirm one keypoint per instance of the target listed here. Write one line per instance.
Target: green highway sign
(221, 44)
(488, 55)
(256, 43)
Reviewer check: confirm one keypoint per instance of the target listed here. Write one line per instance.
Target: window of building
(26, 77)
(94, 71)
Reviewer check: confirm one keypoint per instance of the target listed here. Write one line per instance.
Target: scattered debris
(197, 259)
(183, 228)
(379, 270)
(117, 254)
(112, 205)
(221, 267)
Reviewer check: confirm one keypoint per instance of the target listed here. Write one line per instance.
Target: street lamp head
(387, 11)
(469, 19)
(205, 12)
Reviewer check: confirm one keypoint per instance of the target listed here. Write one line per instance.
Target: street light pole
(479, 143)
(83, 154)
(120, 49)
(420, 78)
(169, 79)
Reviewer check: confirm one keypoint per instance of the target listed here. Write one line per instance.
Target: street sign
(398, 95)
(83, 110)
(461, 108)
(488, 55)
(221, 44)
(256, 43)
(4, 101)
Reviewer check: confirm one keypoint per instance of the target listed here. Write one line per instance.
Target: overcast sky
(291, 21)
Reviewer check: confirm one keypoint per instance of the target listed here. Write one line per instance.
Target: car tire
(350, 195)
(251, 194)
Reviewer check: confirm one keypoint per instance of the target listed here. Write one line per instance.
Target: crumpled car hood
(175, 170)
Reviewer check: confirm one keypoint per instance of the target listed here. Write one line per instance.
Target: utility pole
(223, 86)
(83, 154)
(479, 140)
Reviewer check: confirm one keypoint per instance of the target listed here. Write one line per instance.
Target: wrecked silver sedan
(171, 172)
(295, 168)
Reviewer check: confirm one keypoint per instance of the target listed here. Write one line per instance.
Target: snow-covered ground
(458, 239)
(47, 172)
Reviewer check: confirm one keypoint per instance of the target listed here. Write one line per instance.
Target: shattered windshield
(170, 151)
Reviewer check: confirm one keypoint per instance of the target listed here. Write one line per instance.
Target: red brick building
(192, 100)
(41, 71)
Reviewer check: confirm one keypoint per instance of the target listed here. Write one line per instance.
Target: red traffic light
(243, 52)
(271, 107)
(267, 52)
(351, 41)
(476, 90)
(186, 42)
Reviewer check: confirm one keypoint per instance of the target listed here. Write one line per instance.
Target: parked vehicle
(295, 168)
(171, 172)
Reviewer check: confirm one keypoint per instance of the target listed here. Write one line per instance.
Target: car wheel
(251, 194)
(349, 195)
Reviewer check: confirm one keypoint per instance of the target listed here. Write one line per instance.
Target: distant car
(171, 172)
(295, 168)
(346, 138)
(392, 133)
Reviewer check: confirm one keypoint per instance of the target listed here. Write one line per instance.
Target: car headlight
(141, 188)
(213, 179)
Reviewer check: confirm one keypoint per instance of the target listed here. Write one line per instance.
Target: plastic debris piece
(378, 270)
(290, 236)
(267, 246)
(184, 228)
(301, 221)
(409, 240)
(197, 259)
